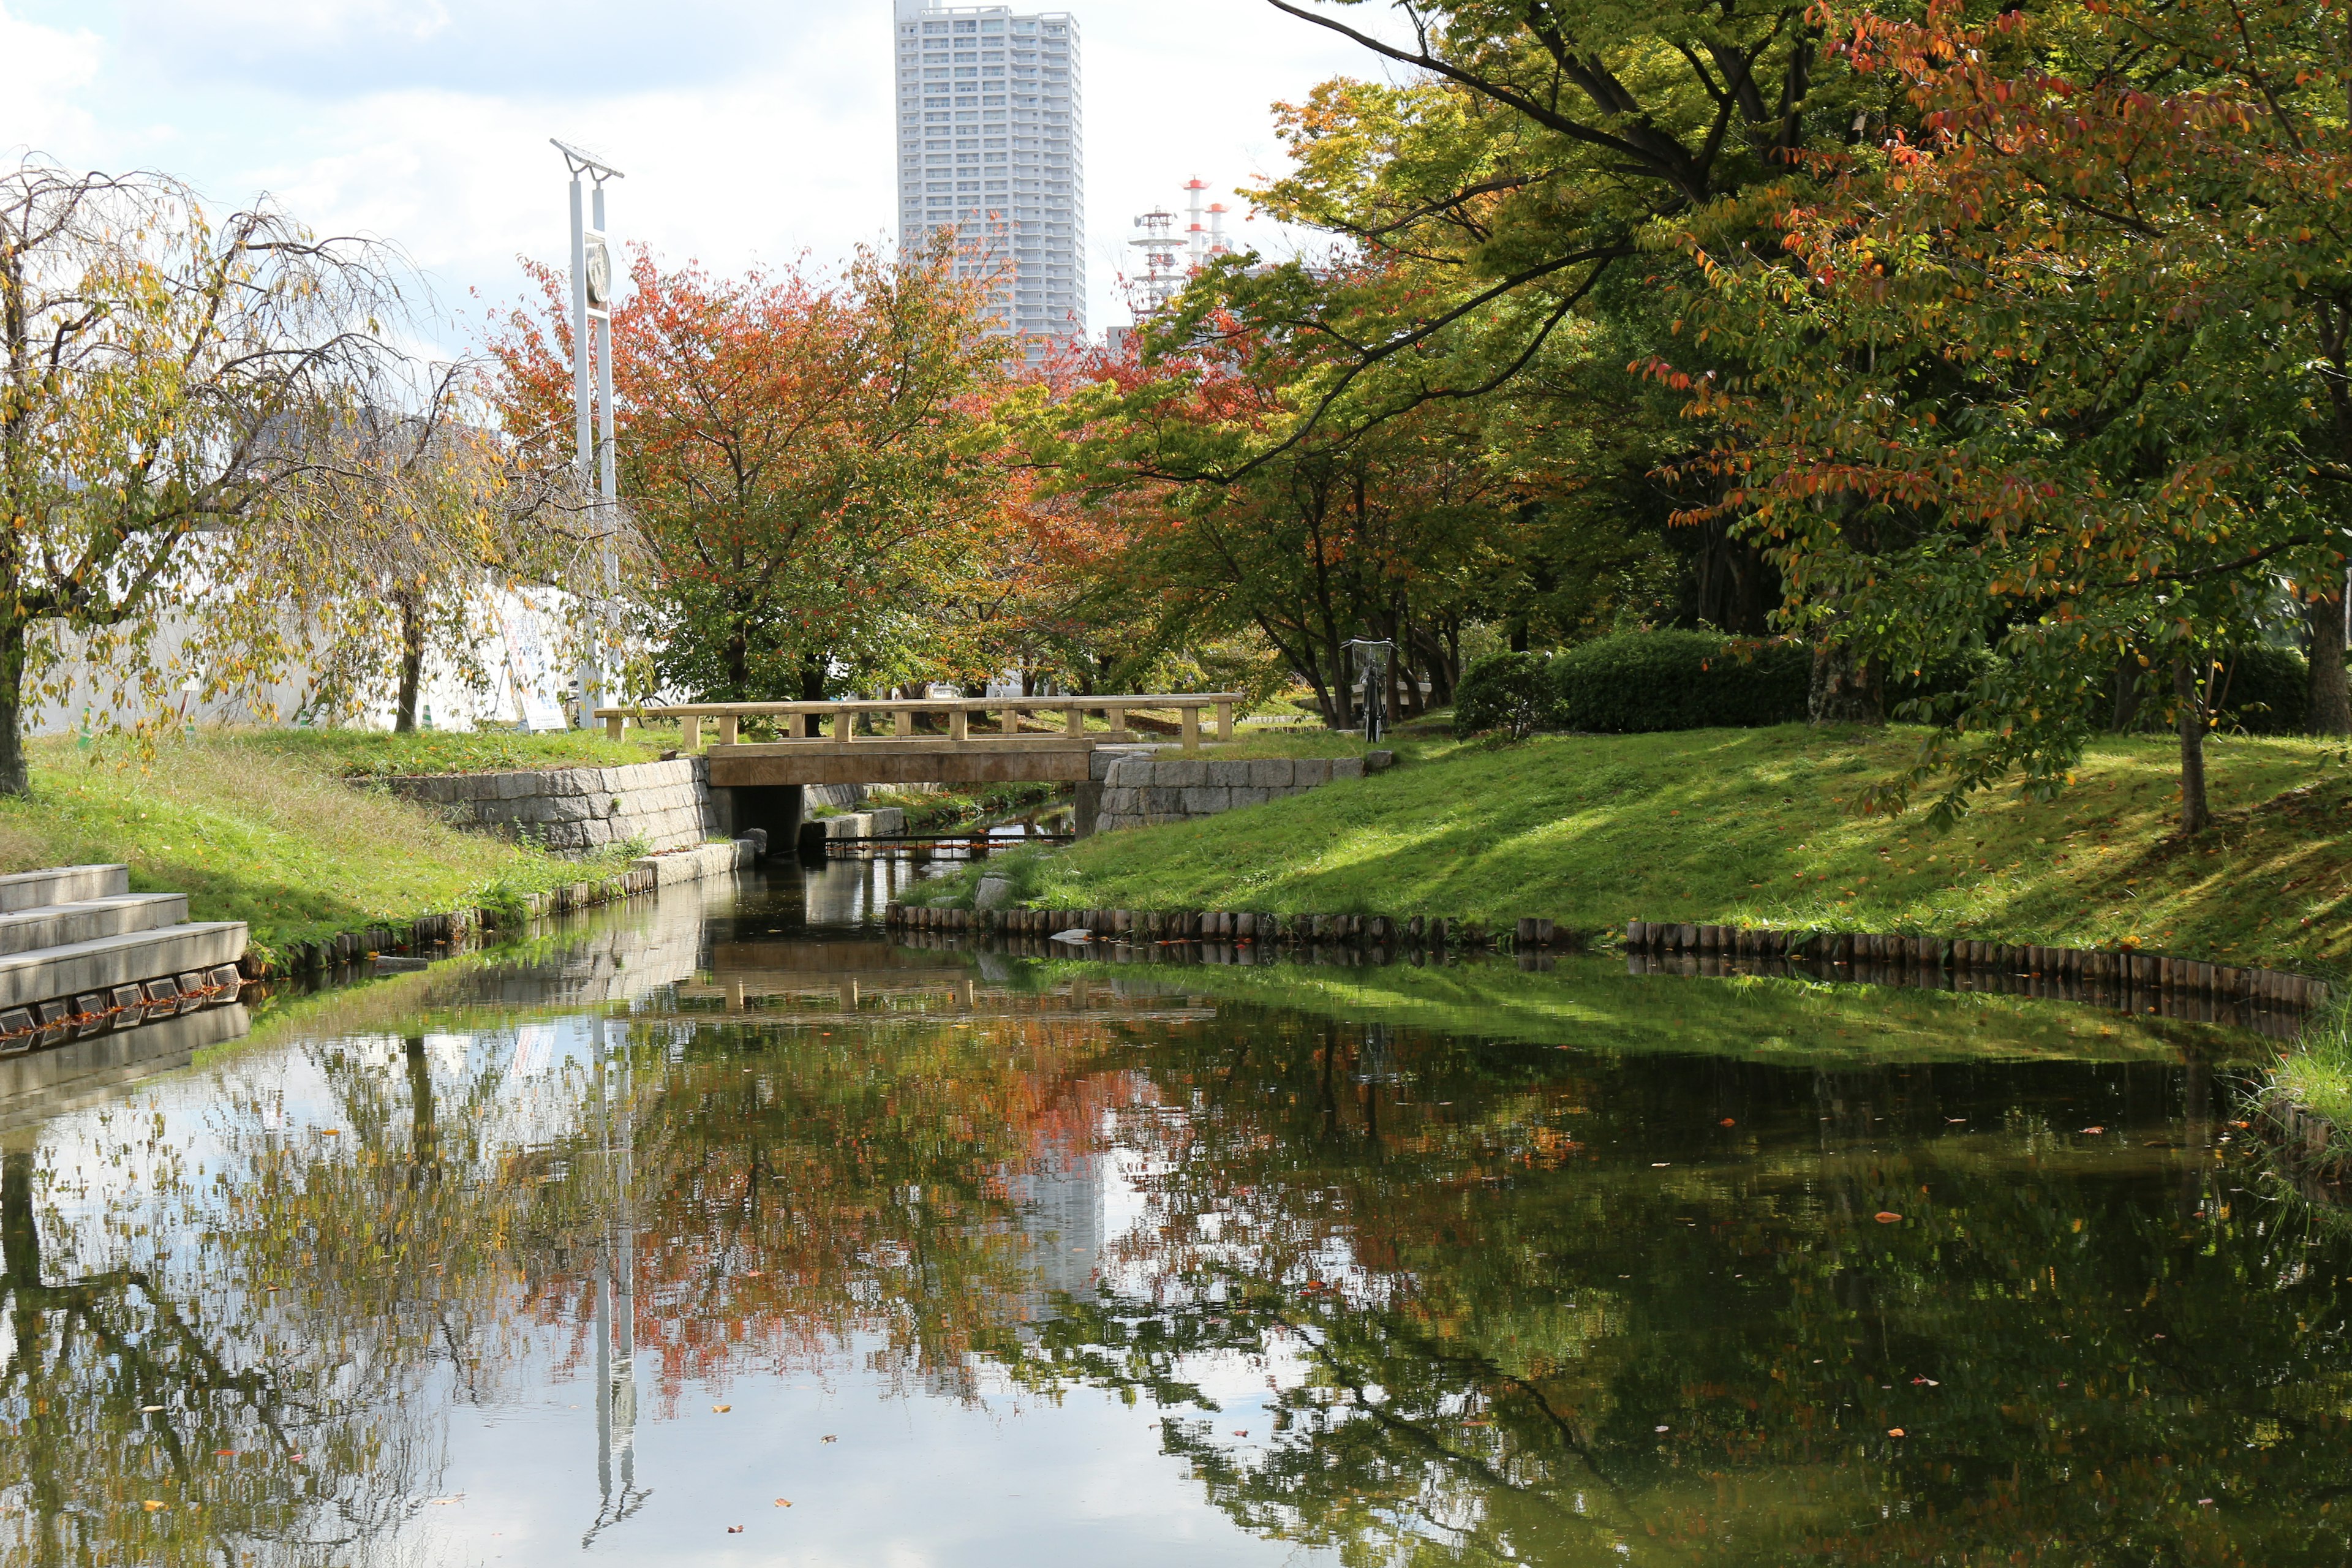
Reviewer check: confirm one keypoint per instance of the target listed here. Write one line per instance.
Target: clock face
(599, 272)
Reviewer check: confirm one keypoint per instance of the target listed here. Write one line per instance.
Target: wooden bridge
(922, 740)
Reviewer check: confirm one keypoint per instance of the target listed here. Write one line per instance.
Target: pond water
(720, 1230)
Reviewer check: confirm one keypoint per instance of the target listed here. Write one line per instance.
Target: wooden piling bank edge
(2304, 1148)
(2145, 971)
(2270, 1002)
(1232, 926)
(444, 933)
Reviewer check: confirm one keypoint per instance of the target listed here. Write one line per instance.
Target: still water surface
(612, 1246)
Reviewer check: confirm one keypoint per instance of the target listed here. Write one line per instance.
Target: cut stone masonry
(1144, 790)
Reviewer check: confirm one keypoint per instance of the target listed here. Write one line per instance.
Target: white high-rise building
(989, 145)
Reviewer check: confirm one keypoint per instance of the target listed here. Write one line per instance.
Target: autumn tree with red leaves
(1228, 518)
(809, 461)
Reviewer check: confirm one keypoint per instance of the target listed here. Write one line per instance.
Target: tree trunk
(1846, 690)
(424, 1127)
(2329, 710)
(2194, 817)
(14, 780)
(20, 1232)
(412, 660)
(811, 680)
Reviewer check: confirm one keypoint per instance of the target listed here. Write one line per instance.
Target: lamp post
(1373, 663)
(592, 344)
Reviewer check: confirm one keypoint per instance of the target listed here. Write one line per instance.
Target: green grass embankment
(264, 828)
(1757, 826)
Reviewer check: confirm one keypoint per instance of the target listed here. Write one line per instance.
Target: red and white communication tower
(1170, 258)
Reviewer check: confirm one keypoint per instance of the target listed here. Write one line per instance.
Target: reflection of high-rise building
(989, 146)
(1061, 1200)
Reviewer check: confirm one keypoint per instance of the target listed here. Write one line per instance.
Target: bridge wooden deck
(875, 743)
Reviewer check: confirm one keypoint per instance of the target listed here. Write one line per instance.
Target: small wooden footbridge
(955, 739)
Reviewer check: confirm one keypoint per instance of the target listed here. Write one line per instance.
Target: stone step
(62, 885)
(56, 925)
(104, 962)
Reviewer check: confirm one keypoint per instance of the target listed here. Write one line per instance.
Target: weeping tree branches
(196, 446)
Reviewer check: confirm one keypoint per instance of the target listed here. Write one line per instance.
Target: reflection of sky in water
(1395, 1239)
(878, 1467)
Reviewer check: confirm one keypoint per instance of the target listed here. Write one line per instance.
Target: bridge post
(1117, 719)
(1074, 722)
(729, 727)
(844, 725)
(959, 724)
(1224, 721)
(1010, 723)
(1189, 719)
(796, 726)
(903, 720)
(690, 736)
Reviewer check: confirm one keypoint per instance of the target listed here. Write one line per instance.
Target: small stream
(721, 1228)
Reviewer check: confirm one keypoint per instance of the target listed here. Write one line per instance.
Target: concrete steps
(81, 953)
(57, 925)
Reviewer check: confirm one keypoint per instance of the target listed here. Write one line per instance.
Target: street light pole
(592, 343)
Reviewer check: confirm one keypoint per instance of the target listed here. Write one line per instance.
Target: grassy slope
(264, 833)
(1755, 826)
(375, 753)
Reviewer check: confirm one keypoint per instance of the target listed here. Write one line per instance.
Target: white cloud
(751, 130)
(49, 68)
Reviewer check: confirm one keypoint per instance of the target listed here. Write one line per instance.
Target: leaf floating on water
(784, 1502)
(828, 1437)
(330, 1131)
(152, 1506)
(2094, 1130)
(1894, 1431)
(1888, 1216)
(1727, 1121)
(720, 1409)
(734, 1530)
(1240, 1432)
(1663, 1429)
(149, 1409)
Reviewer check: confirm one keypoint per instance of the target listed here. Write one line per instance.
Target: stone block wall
(1145, 791)
(575, 811)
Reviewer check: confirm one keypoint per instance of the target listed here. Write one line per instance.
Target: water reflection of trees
(803, 1191)
(235, 1356)
(1500, 1304)
(1486, 1274)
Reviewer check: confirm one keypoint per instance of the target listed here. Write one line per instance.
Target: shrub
(1640, 681)
(1511, 692)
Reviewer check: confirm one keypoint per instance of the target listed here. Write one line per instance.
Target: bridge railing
(805, 723)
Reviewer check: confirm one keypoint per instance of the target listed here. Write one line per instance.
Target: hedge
(1640, 681)
(1511, 692)
(1636, 681)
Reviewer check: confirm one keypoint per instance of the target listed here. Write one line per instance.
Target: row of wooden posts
(1228, 925)
(2141, 970)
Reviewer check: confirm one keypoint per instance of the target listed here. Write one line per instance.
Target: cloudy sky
(750, 129)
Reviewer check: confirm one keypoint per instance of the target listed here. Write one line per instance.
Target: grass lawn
(1755, 826)
(378, 754)
(256, 827)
